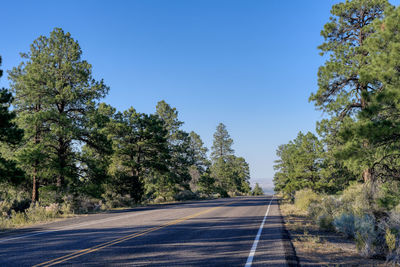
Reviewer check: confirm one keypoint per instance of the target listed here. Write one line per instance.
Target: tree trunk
(35, 179)
(62, 150)
(35, 186)
(368, 175)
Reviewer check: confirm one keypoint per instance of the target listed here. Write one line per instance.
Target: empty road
(222, 232)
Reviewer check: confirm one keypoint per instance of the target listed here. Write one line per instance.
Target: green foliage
(299, 165)
(358, 90)
(9, 132)
(231, 174)
(379, 123)
(324, 211)
(341, 90)
(222, 144)
(345, 224)
(389, 195)
(199, 151)
(113, 199)
(257, 191)
(182, 152)
(48, 195)
(73, 154)
(207, 184)
(54, 93)
(10, 135)
(96, 158)
(186, 195)
(325, 222)
(200, 160)
(304, 198)
(366, 235)
(140, 149)
(390, 240)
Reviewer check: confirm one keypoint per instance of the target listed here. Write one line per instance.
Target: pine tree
(96, 157)
(54, 91)
(199, 152)
(200, 161)
(379, 123)
(299, 165)
(140, 148)
(343, 89)
(10, 134)
(222, 144)
(257, 191)
(181, 156)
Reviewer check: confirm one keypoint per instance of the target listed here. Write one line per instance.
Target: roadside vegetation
(346, 178)
(64, 151)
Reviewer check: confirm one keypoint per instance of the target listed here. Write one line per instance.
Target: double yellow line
(122, 239)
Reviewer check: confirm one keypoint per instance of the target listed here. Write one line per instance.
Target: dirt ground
(320, 248)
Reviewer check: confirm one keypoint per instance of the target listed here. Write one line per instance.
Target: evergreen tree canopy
(10, 134)
(199, 152)
(299, 164)
(341, 89)
(257, 191)
(222, 144)
(140, 145)
(54, 92)
(181, 155)
(379, 125)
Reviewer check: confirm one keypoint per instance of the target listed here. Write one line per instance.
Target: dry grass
(320, 248)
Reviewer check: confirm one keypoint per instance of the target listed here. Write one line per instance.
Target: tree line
(59, 138)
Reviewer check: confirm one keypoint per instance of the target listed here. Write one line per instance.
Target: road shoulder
(314, 247)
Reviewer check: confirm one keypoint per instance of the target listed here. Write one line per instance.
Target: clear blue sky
(249, 64)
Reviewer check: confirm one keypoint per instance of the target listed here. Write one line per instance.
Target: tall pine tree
(54, 91)
(342, 89)
(222, 144)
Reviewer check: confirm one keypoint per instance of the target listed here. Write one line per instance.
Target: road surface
(245, 231)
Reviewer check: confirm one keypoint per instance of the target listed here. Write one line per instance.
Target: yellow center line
(124, 238)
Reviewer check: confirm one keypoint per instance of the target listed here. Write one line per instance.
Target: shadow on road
(202, 241)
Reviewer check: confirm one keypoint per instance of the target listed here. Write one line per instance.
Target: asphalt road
(220, 232)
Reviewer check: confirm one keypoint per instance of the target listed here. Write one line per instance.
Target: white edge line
(255, 243)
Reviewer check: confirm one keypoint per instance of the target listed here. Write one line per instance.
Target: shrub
(366, 235)
(5, 208)
(304, 198)
(222, 192)
(85, 204)
(18, 218)
(324, 211)
(48, 195)
(38, 213)
(392, 232)
(345, 224)
(115, 200)
(354, 200)
(390, 240)
(186, 195)
(20, 205)
(325, 221)
(4, 223)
